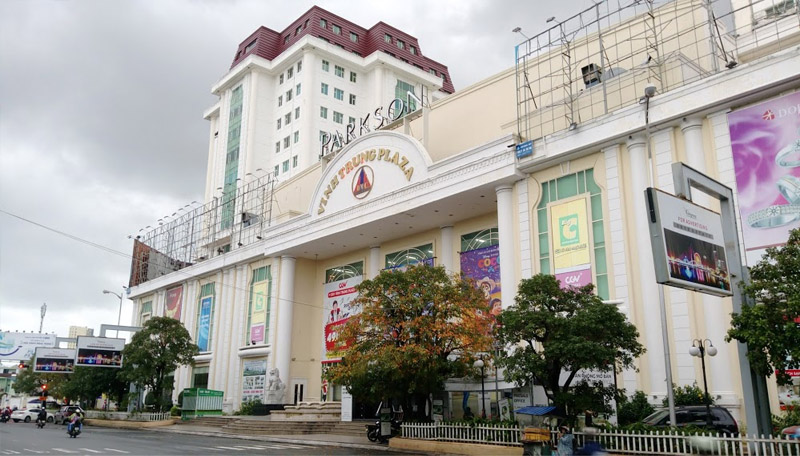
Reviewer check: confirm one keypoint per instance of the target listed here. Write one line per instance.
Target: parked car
(28, 415)
(791, 432)
(695, 415)
(63, 414)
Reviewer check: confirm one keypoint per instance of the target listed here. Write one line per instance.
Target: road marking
(10, 452)
(63, 450)
(118, 451)
(284, 446)
(90, 451)
(229, 448)
(34, 451)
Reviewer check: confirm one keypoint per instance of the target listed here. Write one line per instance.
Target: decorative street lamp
(119, 316)
(699, 349)
(480, 365)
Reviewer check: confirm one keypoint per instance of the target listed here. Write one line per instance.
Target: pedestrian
(565, 441)
(589, 418)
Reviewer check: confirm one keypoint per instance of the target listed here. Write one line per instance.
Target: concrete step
(211, 421)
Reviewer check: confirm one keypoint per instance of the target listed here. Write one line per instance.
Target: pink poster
(578, 277)
(765, 140)
(173, 307)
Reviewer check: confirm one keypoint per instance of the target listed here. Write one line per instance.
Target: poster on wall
(765, 142)
(688, 246)
(258, 314)
(569, 228)
(54, 360)
(483, 266)
(174, 303)
(254, 376)
(99, 352)
(204, 323)
(338, 307)
(16, 346)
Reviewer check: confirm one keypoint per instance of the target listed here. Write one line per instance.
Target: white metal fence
(125, 416)
(619, 442)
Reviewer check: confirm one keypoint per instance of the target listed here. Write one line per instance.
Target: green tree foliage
(688, 395)
(158, 349)
(634, 409)
(30, 382)
(87, 383)
(417, 328)
(771, 327)
(551, 330)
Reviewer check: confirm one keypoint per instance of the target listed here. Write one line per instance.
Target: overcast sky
(101, 128)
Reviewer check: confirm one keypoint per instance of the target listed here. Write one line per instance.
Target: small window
(413, 50)
(298, 29)
(336, 29)
(280, 79)
(297, 113)
(401, 44)
(277, 168)
(277, 147)
(290, 72)
(286, 142)
(339, 71)
(352, 99)
(324, 88)
(338, 94)
(299, 66)
(250, 46)
(286, 166)
(294, 161)
(323, 112)
(279, 123)
(323, 23)
(338, 117)
(288, 95)
(387, 38)
(353, 37)
(280, 101)
(286, 40)
(444, 77)
(296, 137)
(297, 89)
(287, 119)
(326, 66)
(432, 71)
(351, 121)
(352, 76)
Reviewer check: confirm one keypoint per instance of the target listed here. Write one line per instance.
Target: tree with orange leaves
(417, 328)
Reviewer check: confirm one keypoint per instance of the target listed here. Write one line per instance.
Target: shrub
(175, 411)
(634, 409)
(688, 395)
(790, 417)
(247, 407)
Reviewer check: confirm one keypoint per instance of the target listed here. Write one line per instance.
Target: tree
(87, 383)
(155, 352)
(553, 330)
(30, 382)
(417, 328)
(635, 409)
(771, 327)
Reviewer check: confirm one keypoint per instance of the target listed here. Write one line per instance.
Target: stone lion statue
(274, 382)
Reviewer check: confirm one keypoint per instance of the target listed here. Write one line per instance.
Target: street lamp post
(119, 315)
(480, 365)
(700, 349)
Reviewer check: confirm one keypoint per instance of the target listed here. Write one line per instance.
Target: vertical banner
(254, 378)
(174, 303)
(572, 261)
(204, 323)
(338, 307)
(258, 313)
(483, 266)
(765, 141)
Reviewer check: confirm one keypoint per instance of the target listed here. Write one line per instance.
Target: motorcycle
(4, 418)
(74, 430)
(374, 431)
(40, 423)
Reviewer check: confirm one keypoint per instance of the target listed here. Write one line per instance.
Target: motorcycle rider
(41, 417)
(6, 415)
(74, 420)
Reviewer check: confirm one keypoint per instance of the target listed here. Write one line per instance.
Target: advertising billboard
(204, 323)
(483, 266)
(174, 303)
(765, 142)
(258, 313)
(16, 346)
(99, 352)
(338, 307)
(688, 246)
(570, 236)
(54, 360)
(254, 377)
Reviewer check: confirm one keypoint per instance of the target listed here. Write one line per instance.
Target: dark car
(696, 415)
(63, 414)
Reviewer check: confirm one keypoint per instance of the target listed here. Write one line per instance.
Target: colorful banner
(55, 360)
(174, 303)
(15, 346)
(258, 313)
(254, 377)
(204, 323)
(572, 260)
(765, 140)
(338, 307)
(99, 352)
(483, 266)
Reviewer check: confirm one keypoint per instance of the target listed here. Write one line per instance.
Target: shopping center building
(261, 273)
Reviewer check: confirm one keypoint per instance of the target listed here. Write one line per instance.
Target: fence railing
(619, 442)
(125, 416)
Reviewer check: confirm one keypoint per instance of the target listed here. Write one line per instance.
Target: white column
(715, 319)
(505, 231)
(374, 261)
(650, 307)
(447, 249)
(283, 350)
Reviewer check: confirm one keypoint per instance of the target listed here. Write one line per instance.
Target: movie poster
(174, 303)
(483, 266)
(338, 307)
(204, 323)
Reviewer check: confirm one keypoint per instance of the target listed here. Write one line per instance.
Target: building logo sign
(572, 259)
(362, 182)
(569, 229)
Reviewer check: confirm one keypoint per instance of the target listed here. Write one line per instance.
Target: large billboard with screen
(99, 352)
(16, 346)
(54, 360)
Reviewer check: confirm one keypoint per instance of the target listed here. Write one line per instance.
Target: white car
(28, 415)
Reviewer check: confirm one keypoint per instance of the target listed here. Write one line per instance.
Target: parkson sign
(334, 141)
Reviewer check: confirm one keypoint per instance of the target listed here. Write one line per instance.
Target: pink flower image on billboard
(765, 140)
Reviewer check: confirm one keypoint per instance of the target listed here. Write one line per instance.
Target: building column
(650, 306)
(505, 231)
(447, 249)
(283, 351)
(714, 316)
(374, 261)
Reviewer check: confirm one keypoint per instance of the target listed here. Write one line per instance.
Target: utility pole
(41, 320)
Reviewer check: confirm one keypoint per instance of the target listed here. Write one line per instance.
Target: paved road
(27, 439)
